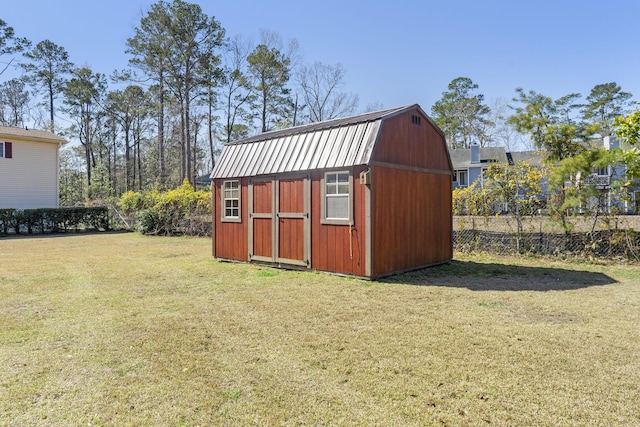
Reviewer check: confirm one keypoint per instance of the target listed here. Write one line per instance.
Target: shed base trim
(335, 273)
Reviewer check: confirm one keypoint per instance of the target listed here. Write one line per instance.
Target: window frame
(458, 172)
(602, 171)
(323, 200)
(7, 150)
(224, 199)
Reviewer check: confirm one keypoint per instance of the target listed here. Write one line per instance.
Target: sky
(396, 52)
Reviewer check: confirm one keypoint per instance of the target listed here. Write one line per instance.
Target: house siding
(29, 179)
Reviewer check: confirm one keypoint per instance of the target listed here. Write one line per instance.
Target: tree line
(188, 89)
(568, 133)
(557, 126)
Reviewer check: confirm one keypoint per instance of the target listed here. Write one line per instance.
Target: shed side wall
(411, 196)
(412, 222)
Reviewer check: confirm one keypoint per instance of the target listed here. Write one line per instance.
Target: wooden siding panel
(231, 238)
(291, 195)
(332, 249)
(262, 197)
(291, 238)
(291, 241)
(263, 237)
(411, 219)
(401, 142)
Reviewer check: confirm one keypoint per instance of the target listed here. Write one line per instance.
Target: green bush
(177, 211)
(51, 220)
(147, 221)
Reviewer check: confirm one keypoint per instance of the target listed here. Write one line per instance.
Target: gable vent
(415, 120)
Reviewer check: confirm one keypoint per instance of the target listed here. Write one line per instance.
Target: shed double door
(279, 220)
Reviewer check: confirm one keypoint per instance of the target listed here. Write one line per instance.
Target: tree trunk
(187, 135)
(138, 137)
(264, 111)
(163, 174)
(127, 154)
(115, 164)
(183, 160)
(51, 106)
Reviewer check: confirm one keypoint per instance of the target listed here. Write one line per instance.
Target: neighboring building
(29, 166)
(469, 164)
(603, 178)
(203, 181)
(368, 196)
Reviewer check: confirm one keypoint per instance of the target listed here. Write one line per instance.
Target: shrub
(51, 220)
(147, 222)
(177, 211)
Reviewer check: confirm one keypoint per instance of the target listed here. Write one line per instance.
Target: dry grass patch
(122, 329)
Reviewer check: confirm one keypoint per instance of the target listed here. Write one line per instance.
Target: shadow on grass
(501, 277)
(69, 233)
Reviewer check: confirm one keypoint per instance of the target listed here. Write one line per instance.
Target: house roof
(461, 157)
(336, 143)
(532, 157)
(24, 134)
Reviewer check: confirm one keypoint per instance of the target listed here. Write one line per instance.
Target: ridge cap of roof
(326, 124)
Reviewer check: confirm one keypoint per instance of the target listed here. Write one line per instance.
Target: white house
(29, 165)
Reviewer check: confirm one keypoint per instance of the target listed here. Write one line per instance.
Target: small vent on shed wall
(415, 120)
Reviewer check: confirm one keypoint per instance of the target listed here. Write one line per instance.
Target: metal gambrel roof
(334, 143)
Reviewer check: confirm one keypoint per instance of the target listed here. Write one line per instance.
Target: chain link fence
(606, 237)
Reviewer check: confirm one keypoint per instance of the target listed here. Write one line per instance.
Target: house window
(5, 150)
(231, 201)
(337, 198)
(462, 176)
(604, 171)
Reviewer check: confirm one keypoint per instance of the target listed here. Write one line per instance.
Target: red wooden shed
(367, 196)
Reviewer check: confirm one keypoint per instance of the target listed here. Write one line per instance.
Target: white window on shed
(231, 200)
(337, 198)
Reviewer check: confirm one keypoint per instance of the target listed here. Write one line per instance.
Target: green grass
(122, 329)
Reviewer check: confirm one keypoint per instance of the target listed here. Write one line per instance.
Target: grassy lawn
(122, 329)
